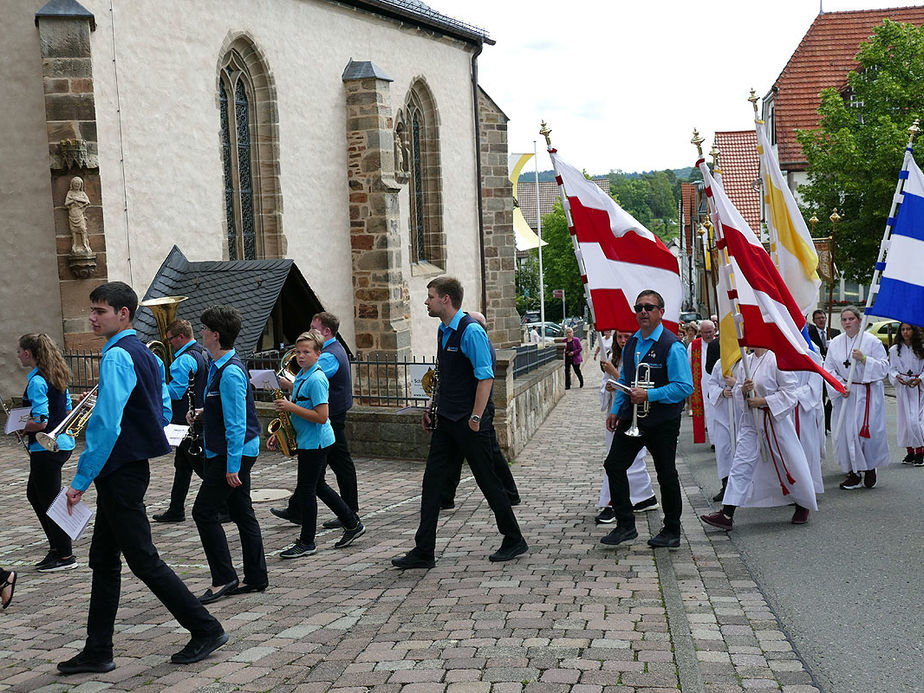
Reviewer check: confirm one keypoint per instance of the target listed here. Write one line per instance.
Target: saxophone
(281, 426)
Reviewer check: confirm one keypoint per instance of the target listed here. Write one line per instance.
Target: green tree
(661, 200)
(854, 158)
(527, 278)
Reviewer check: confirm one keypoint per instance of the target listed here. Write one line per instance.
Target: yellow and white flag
(526, 238)
(791, 243)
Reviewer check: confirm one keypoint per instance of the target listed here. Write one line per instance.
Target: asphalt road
(848, 586)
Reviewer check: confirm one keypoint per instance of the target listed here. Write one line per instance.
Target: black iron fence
(530, 356)
(84, 365)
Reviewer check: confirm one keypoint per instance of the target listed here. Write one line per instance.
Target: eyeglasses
(639, 307)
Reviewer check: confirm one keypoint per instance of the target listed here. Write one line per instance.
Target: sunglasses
(639, 307)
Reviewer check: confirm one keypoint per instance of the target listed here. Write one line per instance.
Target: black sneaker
(284, 514)
(619, 535)
(918, 460)
(198, 648)
(168, 516)
(298, 549)
(645, 505)
(58, 564)
(82, 663)
(852, 481)
(607, 516)
(332, 524)
(909, 458)
(412, 560)
(50, 558)
(665, 540)
(350, 535)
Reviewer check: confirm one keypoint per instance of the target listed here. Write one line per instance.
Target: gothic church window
(427, 241)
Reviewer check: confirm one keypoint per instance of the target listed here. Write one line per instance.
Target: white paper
(175, 433)
(264, 380)
(73, 524)
(18, 419)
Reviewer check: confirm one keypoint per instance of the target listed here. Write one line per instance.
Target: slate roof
(548, 194)
(740, 167)
(424, 15)
(822, 59)
(252, 286)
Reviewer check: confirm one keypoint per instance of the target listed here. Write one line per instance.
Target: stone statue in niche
(77, 202)
(402, 165)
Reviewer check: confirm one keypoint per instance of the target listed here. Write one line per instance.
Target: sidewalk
(569, 615)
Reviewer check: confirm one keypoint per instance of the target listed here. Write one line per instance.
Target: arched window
(249, 149)
(419, 125)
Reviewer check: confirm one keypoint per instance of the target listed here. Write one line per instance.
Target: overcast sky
(622, 83)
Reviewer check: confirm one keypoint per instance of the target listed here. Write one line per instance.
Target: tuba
(72, 424)
(640, 411)
(282, 427)
(164, 311)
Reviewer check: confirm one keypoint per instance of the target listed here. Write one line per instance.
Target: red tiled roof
(823, 59)
(740, 168)
(548, 195)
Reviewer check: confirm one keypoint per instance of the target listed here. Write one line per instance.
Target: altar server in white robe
(717, 392)
(863, 441)
(769, 468)
(810, 420)
(906, 370)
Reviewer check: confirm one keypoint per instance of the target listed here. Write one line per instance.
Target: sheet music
(75, 523)
(265, 380)
(18, 419)
(175, 433)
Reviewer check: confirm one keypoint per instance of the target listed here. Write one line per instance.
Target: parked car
(880, 329)
(552, 330)
(689, 315)
(531, 316)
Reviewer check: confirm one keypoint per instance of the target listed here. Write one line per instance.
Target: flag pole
(880, 264)
(539, 233)
(545, 131)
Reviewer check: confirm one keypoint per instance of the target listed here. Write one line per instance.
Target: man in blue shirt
(189, 369)
(671, 382)
(232, 443)
(465, 418)
(125, 430)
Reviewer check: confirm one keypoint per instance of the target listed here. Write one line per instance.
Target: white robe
(768, 453)
(640, 487)
(720, 428)
(853, 453)
(909, 400)
(811, 420)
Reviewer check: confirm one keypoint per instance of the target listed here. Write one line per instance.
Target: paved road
(847, 586)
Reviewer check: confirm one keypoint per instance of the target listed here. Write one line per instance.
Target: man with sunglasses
(671, 383)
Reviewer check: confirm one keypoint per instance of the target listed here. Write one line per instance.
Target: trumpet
(72, 424)
(642, 380)
(282, 427)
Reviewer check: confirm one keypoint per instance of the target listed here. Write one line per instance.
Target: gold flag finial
(753, 99)
(714, 153)
(698, 142)
(912, 131)
(545, 131)
(813, 221)
(835, 217)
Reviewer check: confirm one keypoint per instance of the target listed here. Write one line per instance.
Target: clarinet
(193, 435)
(434, 398)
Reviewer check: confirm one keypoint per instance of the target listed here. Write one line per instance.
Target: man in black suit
(821, 336)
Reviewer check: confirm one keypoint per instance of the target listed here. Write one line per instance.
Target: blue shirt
(117, 380)
(37, 392)
(327, 361)
(474, 344)
(233, 393)
(183, 363)
(309, 390)
(678, 373)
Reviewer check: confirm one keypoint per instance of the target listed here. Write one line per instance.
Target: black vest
(340, 397)
(457, 378)
(656, 357)
(214, 416)
(57, 403)
(181, 406)
(142, 435)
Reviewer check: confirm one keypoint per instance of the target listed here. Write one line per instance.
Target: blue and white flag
(901, 287)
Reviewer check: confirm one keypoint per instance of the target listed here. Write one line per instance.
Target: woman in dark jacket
(573, 358)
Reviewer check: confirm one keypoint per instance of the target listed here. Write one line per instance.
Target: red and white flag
(618, 256)
(772, 320)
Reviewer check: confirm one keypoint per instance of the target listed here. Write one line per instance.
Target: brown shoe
(718, 519)
(869, 478)
(801, 516)
(852, 481)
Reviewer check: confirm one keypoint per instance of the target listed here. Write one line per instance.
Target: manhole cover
(262, 495)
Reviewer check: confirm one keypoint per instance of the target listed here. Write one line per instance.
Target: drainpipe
(484, 286)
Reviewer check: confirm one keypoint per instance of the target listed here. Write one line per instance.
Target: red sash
(696, 399)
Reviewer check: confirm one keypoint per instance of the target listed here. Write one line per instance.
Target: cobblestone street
(569, 615)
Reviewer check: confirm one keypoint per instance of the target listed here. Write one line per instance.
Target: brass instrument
(164, 311)
(281, 427)
(72, 424)
(430, 383)
(642, 380)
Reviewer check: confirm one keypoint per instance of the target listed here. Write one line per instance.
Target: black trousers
(577, 370)
(184, 465)
(43, 487)
(311, 486)
(452, 441)
(214, 495)
(341, 464)
(501, 470)
(661, 441)
(122, 528)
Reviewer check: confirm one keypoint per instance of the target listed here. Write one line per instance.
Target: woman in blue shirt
(47, 395)
(308, 412)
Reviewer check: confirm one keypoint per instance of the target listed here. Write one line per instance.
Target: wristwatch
(475, 418)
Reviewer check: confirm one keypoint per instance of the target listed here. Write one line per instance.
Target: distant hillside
(680, 173)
